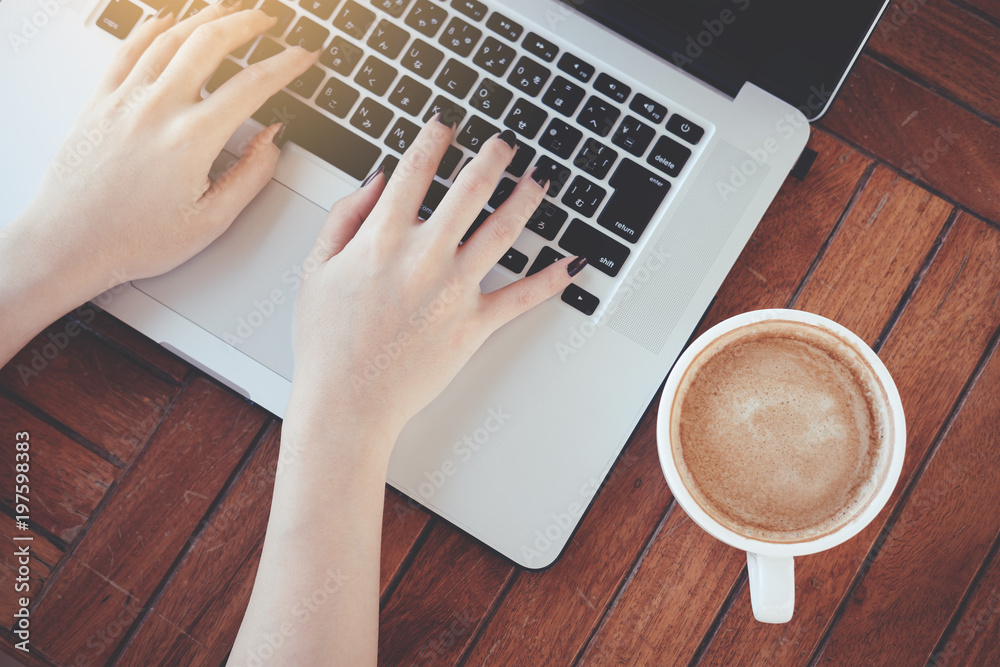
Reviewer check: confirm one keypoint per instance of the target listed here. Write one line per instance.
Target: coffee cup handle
(772, 587)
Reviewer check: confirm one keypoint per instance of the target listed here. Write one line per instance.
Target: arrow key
(580, 299)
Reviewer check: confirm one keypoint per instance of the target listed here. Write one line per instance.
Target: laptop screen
(798, 50)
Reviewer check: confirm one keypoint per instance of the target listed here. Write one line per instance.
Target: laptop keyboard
(387, 66)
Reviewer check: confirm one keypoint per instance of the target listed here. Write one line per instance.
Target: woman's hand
(392, 309)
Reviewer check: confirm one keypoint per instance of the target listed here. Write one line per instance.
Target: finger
(130, 51)
(503, 305)
(413, 175)
(232, 191)
(346, 218)
(237, 99)
(206, 46)
(158, 55)
(473, 188)
(493, 238)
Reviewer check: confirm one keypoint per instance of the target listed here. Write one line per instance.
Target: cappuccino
(781, 431)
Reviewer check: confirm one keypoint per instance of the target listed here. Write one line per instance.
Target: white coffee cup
(770, 564)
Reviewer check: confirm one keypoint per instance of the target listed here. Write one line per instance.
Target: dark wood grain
(142, 348)
(44, 556)
(972, 637)
(991, 8)
(921, 133)
(145, 525)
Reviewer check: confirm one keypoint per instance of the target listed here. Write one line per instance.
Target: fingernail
(440, 120)
(164, 12)
(279, 138)
(537, 178)
(375, 173)
(229, 4)
(576, 266)
(508, 137)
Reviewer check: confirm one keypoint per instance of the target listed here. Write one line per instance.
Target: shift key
(638, 193)
(320, 135)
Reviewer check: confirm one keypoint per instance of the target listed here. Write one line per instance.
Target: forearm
(317, 587)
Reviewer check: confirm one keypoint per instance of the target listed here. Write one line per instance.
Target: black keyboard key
(564, 96)
(422, 59)
(503, 190)
(456, 78)
(491, 98)
(685, 129)
(553, 172)
(546, 257)
(118, 18)
(580, 299)
(451, 158)
(389, 164)
(547, 220)
(341, 56)
(561, 138)
(525, 118)
(394, 8)
(460, 37)
(307, 82)
(648, 109)
(426, 17)
(435, 193)
(634, 136)
(503, 26)
(539, 46)
(669, 156)
(451, 112)
(375, 75)
(476, 224)
(494, 56)
(528, 76)
(612, 87)
(280, 11)
(474, 9)
(265, 49)
(598, 116)
(321, 8)
(638, 193)
(576, 68)
(371, 118)
(226, 70)
(319, 135)
(522, 158)
(242, 50)
(595, 158)
(476, 133)
(195, 7)
(602, 252)
(514, 260)
(337, 97)
(354, 19)
(409, 95)
(583, 196)
(308, 34)
(388, 39)
(401, 135)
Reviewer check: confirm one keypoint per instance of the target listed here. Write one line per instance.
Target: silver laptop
(665, 130)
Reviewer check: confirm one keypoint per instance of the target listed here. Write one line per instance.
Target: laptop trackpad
(242, 288)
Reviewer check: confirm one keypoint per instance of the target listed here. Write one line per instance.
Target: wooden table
(151, 482)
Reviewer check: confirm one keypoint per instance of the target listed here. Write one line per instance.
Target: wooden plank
(973, 638)
(989, 7)
(122, 334)
(550, 616)
(920, 133)
(150, 516)
(935, 548)
(793, 230)
(876, 254)
(946, 46)
(402, 522)
(932, 350)
(90, 387)
(441, 601)
(43, 557)
(66, 480)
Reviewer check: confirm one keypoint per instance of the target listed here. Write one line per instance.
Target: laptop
(665, 129)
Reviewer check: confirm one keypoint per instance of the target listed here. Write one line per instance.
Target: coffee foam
(780, 431)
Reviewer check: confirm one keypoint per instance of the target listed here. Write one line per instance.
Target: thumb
(346, 217)
(232, 191)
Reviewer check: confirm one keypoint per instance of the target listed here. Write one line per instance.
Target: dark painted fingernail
(537, 178)
(441, 120)
(279, 138)
(508, 137)
(576, 266)
(375, 173)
